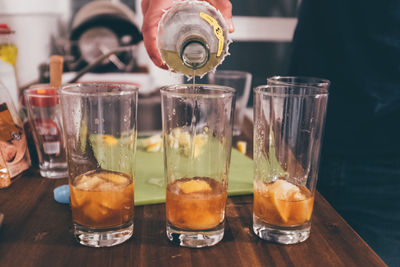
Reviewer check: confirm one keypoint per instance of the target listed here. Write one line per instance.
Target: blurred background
(84, 30)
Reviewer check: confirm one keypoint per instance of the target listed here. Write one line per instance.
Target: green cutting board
(150, 185)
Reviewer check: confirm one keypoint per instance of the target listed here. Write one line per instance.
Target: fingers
(225, 7)
(164, 66)
(152, 13)
(150, 42)
(145, 6)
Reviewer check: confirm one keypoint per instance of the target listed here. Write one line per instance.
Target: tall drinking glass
(288, 126)
(197, 128)
(299, 81)
(100, 131)
(241, 82)
(44, 113)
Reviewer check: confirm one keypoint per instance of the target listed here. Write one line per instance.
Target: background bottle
(192, 37)
(8, 59)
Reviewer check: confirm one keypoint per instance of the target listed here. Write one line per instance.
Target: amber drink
(283, 203)
(288, 124)
(195, 204)
(101, 199)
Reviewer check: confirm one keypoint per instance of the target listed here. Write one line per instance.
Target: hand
(152, 13)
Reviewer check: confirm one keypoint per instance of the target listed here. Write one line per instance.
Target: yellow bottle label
(219, 33)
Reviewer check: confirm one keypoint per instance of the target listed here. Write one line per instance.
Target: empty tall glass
(288, 126)
(100, 131)
(197, 128)
(241, 82)
(44, 113)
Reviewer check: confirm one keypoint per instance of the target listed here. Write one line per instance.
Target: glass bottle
(192, 37)
(8, 60)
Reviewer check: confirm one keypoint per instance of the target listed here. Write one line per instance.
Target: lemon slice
(241, 146)
(153, 147)
(199, 141)
(110, 140)
(193, 186)
(152, 140)
(153, 143)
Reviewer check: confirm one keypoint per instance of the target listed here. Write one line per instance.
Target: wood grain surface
(37, 231)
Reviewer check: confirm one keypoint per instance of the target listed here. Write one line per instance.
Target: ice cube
(117, 179)
(95, 211)
(78, 199)
(283, 190)
(298, 196)
(301, 211)
(106, 187)
(261, 187)
(87, 182)
(113, 202)
(118, 200)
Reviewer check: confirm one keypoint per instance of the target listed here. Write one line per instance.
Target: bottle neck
(194, 53)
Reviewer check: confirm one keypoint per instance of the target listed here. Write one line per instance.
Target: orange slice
(281, 206)
(194, 186)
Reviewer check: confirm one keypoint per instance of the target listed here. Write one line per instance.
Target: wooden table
(37, 231)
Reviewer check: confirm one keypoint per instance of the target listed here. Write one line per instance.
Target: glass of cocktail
(197, 129)
(100, 131)
(288, 126)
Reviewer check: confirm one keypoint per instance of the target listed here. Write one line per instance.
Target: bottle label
(14, 155)
(219, 33)
(50, 135)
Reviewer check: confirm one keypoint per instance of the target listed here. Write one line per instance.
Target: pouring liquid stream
(193, 124)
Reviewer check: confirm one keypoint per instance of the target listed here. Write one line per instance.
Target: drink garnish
(281, 192)
(193, 186)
